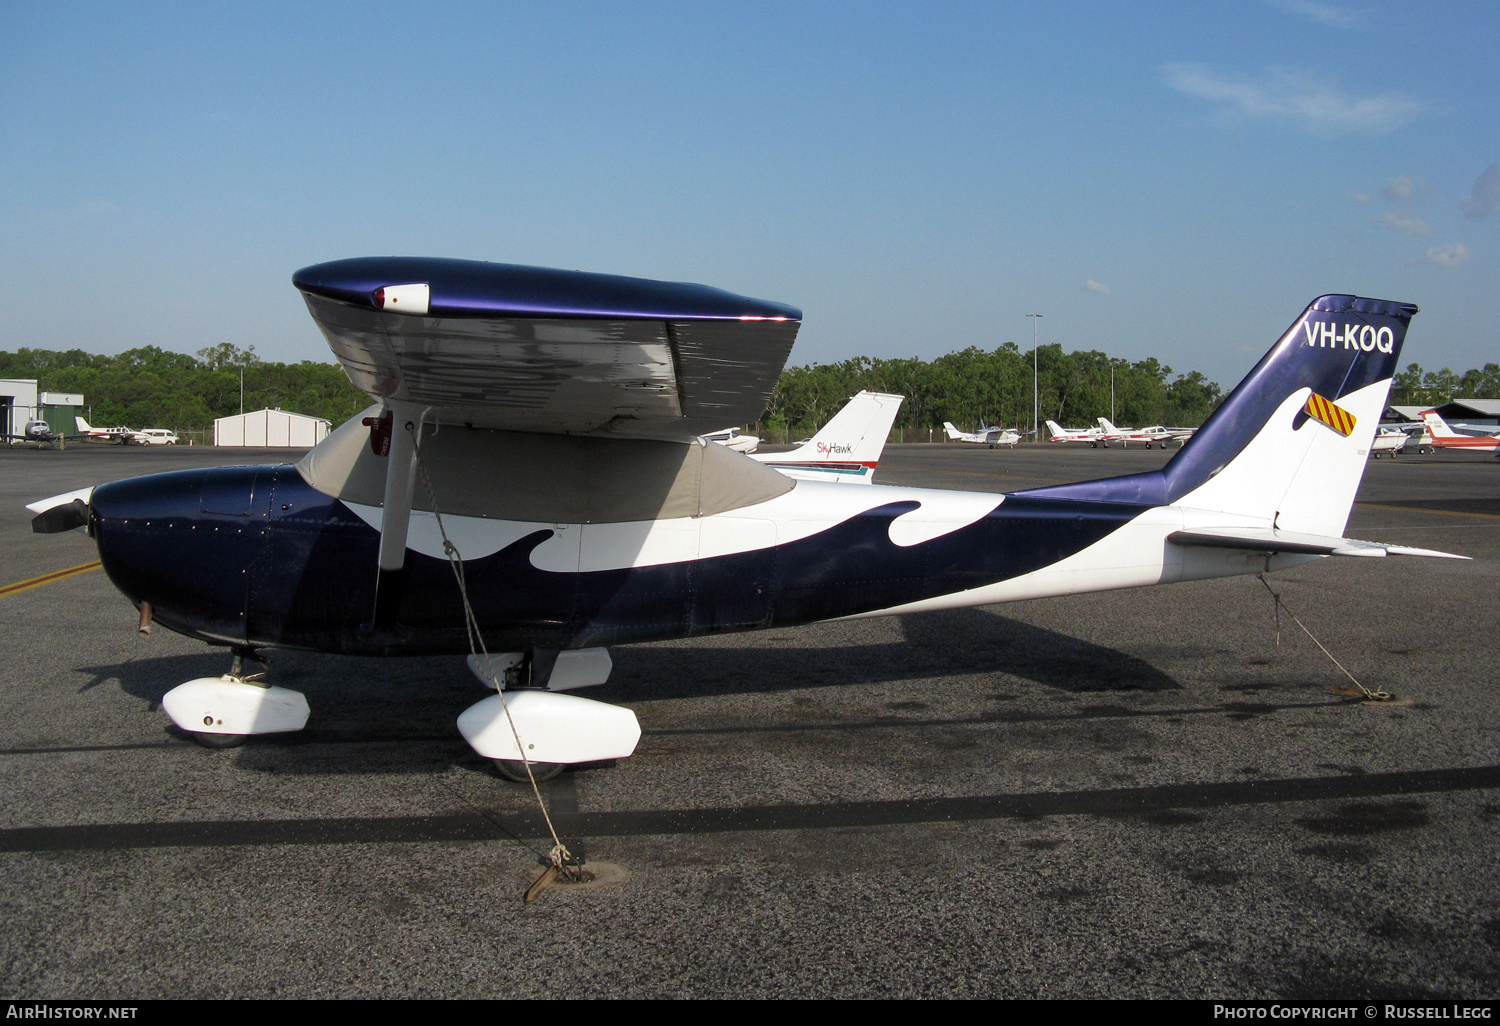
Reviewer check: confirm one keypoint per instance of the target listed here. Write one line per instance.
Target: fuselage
(257, 556)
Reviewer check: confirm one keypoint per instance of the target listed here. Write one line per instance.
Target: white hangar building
(271, 429)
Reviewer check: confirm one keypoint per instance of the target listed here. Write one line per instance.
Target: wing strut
(395, 430)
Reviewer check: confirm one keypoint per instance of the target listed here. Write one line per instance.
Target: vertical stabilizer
(848, 447)
(1437, 427)
(1288, 446)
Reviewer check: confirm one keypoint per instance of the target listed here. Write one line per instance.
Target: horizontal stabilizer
(1266, 539)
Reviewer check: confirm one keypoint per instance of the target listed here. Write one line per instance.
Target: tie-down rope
(1378, 695)
(562, 861)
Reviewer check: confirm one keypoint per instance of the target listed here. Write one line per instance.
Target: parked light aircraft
(731, 438)
(38, 431)
(122, 435)
(1092, 436)
(1387, 441)
(1444, 437)
(847, 449)
(531, 484)
(984, 436)
(1154, 434)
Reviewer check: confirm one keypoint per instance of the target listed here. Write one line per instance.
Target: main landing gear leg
(221, 712)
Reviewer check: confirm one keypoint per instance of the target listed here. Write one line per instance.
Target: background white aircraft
(1061, 434)
(731, 438)
(984, 436)
(847, 449)
(123, 435)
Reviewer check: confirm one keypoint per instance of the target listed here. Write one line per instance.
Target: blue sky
(1175, 180)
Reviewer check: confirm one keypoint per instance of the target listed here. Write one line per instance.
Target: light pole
(1111, 390)
(242, 390)
(1036, 403)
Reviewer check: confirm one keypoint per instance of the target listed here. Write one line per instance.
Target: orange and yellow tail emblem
(1330, 413)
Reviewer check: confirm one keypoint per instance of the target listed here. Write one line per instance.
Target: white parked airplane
(122, 435)
(1389, 440)
(984, 436)
(730, 438)
(585, 511)
(847, 449)
(1092, 436)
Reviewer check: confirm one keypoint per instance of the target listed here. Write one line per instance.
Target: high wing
(541, 350)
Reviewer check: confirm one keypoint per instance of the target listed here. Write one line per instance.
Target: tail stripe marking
(1335, 416)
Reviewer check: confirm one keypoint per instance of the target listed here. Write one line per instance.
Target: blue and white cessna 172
(531, 487)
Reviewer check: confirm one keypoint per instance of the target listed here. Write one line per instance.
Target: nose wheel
(221, 712)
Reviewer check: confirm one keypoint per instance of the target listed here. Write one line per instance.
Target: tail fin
(1288, 446)
(1437, 427)
(848, 447)
(1052, 428)
(952, 431)
(1108, 427)
(82, 424)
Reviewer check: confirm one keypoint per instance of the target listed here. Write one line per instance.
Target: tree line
(975, 386)
(152, 387)
(1416, 387)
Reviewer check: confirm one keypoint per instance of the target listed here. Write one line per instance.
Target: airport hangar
(276, 428)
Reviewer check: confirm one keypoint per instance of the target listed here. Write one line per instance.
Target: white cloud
(1097, 286)
(1400, 188)
(1455, 254)
(1296, 97)
(1328, 14)
(1407, 224)
(1485, 199)
(1359, 197)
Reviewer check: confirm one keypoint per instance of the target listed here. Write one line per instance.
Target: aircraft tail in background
(1444, 437)
(847, 449)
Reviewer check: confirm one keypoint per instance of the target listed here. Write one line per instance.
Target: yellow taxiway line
(56, 575)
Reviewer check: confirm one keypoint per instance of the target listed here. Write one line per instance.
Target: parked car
(156, 436)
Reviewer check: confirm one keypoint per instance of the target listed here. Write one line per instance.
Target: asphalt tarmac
(1123, 794)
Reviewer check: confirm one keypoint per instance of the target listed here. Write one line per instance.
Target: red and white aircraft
(1155, 433)
(1444, 437)
(1093, 436)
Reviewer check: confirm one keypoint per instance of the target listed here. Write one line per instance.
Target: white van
(156, 436)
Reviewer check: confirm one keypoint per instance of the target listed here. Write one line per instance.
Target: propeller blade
(66, 517)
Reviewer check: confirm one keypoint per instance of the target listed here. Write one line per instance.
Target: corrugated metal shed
(271, 429)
